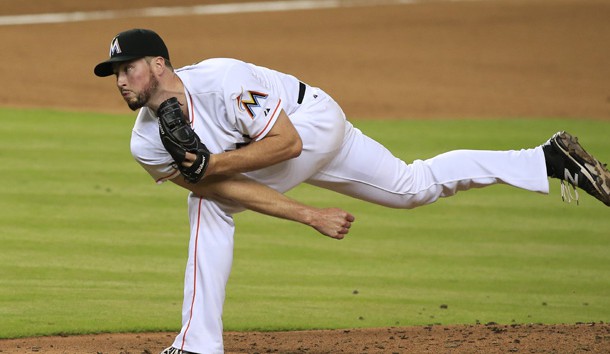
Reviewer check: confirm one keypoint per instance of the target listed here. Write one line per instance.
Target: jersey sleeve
(147, 149)
(252, 101)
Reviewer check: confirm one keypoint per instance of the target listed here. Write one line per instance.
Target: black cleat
(568, 161)
(172, 350)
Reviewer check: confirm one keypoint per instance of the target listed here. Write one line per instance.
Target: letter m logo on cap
(115, 48)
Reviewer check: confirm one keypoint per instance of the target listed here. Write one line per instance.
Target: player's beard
(144, 96)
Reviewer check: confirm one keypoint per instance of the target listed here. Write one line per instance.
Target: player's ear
(157, 64)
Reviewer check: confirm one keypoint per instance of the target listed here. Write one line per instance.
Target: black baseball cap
(132, 44)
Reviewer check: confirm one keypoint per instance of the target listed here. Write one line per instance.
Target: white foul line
(215, 9)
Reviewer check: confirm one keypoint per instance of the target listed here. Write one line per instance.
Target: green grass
(88, 243)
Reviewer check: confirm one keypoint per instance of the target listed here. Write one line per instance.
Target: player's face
(136, 82)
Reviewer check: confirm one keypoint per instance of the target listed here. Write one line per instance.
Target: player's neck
(168, 87)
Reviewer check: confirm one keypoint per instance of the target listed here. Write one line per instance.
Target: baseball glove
(178, 138)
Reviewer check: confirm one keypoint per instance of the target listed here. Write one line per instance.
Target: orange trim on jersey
(170, 176)
(188, 325)
(279, 103)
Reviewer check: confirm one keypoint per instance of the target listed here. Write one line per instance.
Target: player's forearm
(332, 222)
(260, 198)
(257, 155)
(281, 143)
(251, 195)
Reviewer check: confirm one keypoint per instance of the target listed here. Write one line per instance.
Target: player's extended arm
(281, 143)
(332, 222)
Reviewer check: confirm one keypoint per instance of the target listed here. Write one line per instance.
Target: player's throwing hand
(332, 222)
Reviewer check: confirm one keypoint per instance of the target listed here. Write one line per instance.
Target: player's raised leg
(374, 174)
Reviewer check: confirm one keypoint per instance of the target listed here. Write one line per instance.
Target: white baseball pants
(338, 157)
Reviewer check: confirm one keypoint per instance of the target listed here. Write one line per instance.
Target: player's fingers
(339, 236)
(349, 219)
(189, 158)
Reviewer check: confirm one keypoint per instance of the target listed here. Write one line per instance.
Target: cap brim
(104, 69)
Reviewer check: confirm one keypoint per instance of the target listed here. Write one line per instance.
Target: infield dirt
(434, 59)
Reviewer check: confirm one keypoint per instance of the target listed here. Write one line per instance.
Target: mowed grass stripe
(89, 243)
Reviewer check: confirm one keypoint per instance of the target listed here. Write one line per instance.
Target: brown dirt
(506, 58)
(489, 339)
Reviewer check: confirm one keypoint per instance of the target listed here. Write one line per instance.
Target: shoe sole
(590, 167)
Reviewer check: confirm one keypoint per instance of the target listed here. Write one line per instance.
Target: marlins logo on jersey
(252, 102)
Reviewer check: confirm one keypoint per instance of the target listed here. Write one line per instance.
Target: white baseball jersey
(232, 103)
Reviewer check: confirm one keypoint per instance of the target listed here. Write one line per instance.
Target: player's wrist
(306, 215)
(211, 168)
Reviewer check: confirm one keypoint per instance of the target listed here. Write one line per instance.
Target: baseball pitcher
(235, 134)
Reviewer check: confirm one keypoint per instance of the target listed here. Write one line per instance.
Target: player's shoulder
(145, 125)
(214, 67)
(210, 75)
(145, 134)
(145, 117)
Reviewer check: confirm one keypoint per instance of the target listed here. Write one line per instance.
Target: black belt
(302, 88)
